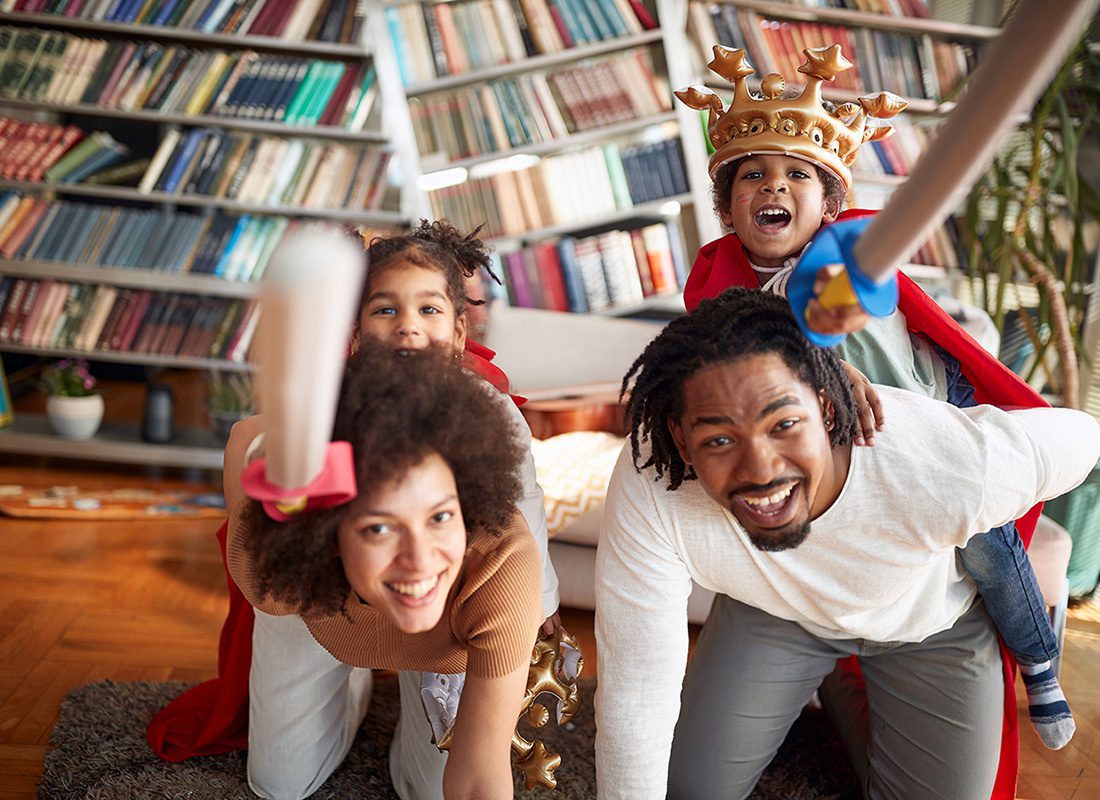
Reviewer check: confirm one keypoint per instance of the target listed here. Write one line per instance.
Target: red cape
(722, 264)
(212, 717)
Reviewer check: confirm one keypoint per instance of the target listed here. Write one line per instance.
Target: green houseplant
(73, 408)
(230, 400)
(1026, 221)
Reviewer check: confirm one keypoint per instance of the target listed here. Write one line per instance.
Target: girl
(428, 569)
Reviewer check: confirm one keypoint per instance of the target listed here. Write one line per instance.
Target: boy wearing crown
(780, 171)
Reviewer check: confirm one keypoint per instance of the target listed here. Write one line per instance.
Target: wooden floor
(145, 600)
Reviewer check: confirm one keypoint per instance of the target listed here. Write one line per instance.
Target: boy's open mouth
(773, 217)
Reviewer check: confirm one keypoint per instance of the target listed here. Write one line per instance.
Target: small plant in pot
(230, 401)
(73, 409)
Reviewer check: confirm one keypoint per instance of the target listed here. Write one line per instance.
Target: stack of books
(315, 20)
(909, 65)
(895, 155)
(90, 318)
(34, 229)
(434, 40)
(268, 170)
(610, 269)
(65, 69)
(537, 107)
(29, 149)
(567, 189)
(39, 151)
(227, 246)
(893, 8)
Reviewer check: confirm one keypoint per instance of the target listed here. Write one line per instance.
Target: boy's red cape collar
(723, 263)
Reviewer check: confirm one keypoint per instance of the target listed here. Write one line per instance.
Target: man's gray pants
(929, 725)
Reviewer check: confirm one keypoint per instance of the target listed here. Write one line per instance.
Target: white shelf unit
(30, 434)
(668, 39)
(119, 443)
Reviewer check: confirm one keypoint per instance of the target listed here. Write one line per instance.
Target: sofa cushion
(573, 470)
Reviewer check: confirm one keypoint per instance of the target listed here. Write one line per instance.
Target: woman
(429, 569)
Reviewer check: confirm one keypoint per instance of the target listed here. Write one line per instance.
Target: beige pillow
(573, 470)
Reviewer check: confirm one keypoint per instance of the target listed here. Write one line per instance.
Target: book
(590, 266)
(160, 160)
(109, 153)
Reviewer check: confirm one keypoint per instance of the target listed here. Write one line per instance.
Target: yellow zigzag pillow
(573, 470)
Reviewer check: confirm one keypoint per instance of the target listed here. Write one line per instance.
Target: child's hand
(868, 405)
(836, 320)
(552, 623)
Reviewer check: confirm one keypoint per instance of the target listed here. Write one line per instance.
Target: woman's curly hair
(395, 409)
(738, 323)
(437, 246)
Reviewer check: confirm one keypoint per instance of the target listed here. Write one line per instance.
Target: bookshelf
(292, 88)
(144, 359)
(120, 443)
(158, 280)
(363, 216)
(563, 178)
(201, 120)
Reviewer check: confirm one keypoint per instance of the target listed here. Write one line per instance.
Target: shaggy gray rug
(99, 753)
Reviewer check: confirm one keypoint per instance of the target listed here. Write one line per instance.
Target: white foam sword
(310, 295)
(1005, 85)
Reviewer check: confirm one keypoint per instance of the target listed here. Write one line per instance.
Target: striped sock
(1047, 706)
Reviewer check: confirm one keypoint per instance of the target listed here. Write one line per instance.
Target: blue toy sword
(1005, 85)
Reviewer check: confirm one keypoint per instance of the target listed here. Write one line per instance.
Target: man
(742, 475)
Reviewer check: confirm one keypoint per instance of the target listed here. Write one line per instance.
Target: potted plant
(73, 409)
(1027, 223)
(230, 401)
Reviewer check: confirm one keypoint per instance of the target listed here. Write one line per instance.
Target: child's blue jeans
(999, 565)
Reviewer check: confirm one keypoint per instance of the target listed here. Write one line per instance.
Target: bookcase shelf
(536, 62)
(204, 121)
(555, 145)
(867, 19)
(671, 303)
(30, 434)
(379, 218)
(642, 210)
(148, 359)
(264, 43)
(157, 280)
(92, 306)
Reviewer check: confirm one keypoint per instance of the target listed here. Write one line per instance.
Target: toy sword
(309, 296)
(1005, 85)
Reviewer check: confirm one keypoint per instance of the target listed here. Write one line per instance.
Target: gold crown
(796, 126)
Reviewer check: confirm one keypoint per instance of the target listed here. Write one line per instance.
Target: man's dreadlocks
(741, 322)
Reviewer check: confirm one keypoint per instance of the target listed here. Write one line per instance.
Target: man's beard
(776, 541)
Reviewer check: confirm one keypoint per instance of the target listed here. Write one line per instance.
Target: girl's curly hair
(437, 246)
(738, 323)
(395, 409)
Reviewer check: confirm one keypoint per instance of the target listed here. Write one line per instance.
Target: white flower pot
(75, 418)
